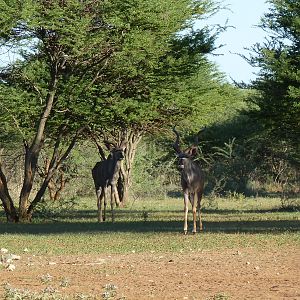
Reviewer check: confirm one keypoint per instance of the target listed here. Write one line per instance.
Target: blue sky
(244, 16)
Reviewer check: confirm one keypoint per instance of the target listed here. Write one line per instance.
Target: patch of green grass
(219, 297)
(155, 226)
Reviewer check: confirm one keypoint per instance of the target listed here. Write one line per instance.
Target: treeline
(127, 71)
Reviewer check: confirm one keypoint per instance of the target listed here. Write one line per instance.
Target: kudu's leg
(99, 193)
(194, 207)
(186, 210)
(115, 195)
(199, 198)
(112, 204)
(105, 203)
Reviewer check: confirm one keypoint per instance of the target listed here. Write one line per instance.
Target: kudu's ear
(192, 151)
(110, 145)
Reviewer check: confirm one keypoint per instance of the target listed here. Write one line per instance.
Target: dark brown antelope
(105, 175)
(192, 182)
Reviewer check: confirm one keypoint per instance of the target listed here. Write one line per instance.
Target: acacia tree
(63, 45)
(148, 83)
(83, 63)
(277, 101)
(175, 93)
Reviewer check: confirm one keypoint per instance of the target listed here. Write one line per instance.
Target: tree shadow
(137, 215)
(128, 220)
(148, 226)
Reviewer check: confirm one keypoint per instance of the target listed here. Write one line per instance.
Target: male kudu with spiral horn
(192, 181)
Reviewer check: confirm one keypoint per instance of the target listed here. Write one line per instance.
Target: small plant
(64, 282)
(211, 202)
(110, 291)
(289, 204)
(49, 290)
(49, 293)
(84, 297)
(52, 209)
(45, 279)
(236, 196)
(145, 215)
(219, 297)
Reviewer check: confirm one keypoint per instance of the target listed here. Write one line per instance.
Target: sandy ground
(230, 274)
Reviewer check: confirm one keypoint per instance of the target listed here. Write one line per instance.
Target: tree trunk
(56, 186)
(31, 159)
(32, 154)
(57, 183)
(9, 208)
(55, 163)
(132, 139)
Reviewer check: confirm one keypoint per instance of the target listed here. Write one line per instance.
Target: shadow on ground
(79, 224)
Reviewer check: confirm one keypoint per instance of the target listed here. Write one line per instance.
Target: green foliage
(150, 75)
(52, 209)
(119, 62)
(276, 103)
(61, 40)
(87, 64)
(152, 164)
(254, 165)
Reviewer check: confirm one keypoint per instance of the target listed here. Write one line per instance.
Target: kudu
(105, 175)
(192, 181)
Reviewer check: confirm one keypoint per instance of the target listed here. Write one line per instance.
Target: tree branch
(54, 165)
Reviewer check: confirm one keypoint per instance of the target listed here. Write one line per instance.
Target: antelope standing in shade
(105, 175)
(192, 181)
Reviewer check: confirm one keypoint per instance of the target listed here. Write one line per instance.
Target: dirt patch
(229, 274)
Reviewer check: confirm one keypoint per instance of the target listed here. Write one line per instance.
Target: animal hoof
(194, 232)
(185, 232)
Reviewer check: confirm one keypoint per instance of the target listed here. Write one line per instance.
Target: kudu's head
(117, 152)
(185, 156)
